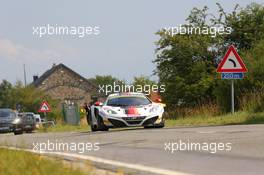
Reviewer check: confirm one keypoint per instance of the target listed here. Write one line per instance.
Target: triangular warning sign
(231, 62)
(44, 107)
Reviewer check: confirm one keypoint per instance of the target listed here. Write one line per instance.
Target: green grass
(228, 119)
(14, 162)
(65, 128)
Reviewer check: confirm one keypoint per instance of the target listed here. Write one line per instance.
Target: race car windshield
(128, 101)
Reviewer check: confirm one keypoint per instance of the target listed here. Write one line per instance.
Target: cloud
(8, 49)
(16, 52)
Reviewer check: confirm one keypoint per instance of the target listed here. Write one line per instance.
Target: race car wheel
(18, 132)
(160, 125)
(93, 128)
(88, 117)
(89, 121)
(101, 126)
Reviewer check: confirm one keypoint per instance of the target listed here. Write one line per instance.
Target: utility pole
(25, 75)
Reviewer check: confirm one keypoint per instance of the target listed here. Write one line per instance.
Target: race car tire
(101, 126)
(18, 132)
(88, 117)
(160, 125)
(93, 128)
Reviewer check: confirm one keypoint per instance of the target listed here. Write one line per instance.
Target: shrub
(205, 110)
(253, 101)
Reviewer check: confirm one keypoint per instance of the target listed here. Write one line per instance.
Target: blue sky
(125, 47)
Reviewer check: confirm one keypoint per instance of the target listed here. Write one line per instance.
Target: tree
(254, 59)
(5, 93)
(28, 98)
(247, 24)
(104, 80)
(142, 80)
(186, 64)
(145, 85)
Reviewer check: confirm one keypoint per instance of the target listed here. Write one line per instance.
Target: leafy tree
(104, 80)
(254, 59)
(144, 84)
(5, 93)
(247, 24)
(186, 64)
(29, 98)
(142, 80)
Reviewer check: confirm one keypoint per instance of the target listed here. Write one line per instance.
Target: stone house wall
(67, 86)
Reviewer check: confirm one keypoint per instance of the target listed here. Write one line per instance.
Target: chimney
(35, 77)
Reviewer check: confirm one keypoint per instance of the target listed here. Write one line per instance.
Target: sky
(124, 48)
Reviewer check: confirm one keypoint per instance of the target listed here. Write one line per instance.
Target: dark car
(29, 122)
(10, 122)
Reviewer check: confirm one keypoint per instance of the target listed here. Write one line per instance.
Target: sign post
(45, 116)
(232, 67)
(232, 97)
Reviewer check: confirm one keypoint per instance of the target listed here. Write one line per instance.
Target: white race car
(126, 110)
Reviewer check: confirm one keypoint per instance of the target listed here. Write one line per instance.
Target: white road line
(206, 132)
(107, 161)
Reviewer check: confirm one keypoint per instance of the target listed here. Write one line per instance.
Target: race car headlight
(154, 109)
(16, 121)
(110, 111)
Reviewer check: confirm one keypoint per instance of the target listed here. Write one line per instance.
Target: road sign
(231, 62)
(232, 67)
(44, 107)
(236, 75)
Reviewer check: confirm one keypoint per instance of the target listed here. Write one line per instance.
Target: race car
(126, 110)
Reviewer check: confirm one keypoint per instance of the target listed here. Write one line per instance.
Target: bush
(253, 101)
(207, 110)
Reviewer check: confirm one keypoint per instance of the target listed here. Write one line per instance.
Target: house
(62, 83)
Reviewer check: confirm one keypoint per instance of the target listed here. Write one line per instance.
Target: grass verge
(228, 119)
(65, 128)
(14, 162)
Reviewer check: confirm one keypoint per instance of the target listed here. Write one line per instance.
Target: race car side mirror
(98, 103)
(158, 100)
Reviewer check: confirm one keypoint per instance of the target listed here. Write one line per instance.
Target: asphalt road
(150, 148)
